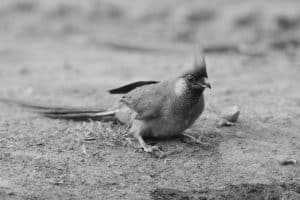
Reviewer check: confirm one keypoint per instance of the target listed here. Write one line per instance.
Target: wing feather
(147, 101)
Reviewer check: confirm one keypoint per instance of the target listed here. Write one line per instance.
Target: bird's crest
(199, 63)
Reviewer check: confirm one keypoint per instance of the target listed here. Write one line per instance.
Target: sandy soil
(67, 53)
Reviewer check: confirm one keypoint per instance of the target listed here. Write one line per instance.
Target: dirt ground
(71, 52)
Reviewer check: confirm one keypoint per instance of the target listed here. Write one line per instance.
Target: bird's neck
(185, 94)
(192, 95)
(187, 101)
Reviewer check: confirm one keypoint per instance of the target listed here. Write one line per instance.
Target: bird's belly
(174, 125)
(164, 128)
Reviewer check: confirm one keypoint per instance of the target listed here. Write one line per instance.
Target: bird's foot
(155, 151)
(192, 140)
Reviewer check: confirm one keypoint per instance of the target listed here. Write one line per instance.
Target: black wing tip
(127, 88)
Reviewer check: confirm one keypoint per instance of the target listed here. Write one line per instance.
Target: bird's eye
(191, 78)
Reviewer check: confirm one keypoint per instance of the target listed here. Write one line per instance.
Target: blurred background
(52, 40)
(74, 51)
(101, 22)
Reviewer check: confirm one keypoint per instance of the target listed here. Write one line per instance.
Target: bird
(155, 109)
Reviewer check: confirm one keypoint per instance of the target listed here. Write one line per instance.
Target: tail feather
(65, 112)
(83, 116)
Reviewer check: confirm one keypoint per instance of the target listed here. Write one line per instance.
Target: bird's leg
(154, 150)
(192, 140)
(137, 130)
(147, 148)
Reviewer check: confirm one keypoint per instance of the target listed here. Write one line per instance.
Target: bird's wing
(131, 86)
(147, 101)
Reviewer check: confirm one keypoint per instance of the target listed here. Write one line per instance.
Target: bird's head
(195, 79)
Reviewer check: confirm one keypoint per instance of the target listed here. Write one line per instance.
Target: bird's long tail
(65, 112)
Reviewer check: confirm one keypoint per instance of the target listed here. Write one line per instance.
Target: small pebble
(231, 114)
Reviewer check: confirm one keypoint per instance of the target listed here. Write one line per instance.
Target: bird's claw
(155, 151)
(192, 140)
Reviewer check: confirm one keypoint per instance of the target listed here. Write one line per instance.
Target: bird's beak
(205, 84)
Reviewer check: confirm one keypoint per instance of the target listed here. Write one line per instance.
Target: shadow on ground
(233, 192)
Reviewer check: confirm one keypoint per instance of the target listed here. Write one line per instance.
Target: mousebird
(150, 108)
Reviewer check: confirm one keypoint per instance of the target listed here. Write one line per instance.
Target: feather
(127, 88)
(199, 63)
(147, 101)
(65, 112)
